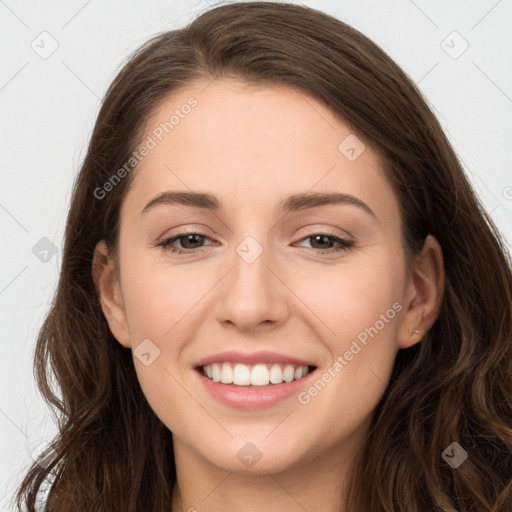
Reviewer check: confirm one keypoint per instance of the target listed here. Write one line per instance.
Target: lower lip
(253, 398)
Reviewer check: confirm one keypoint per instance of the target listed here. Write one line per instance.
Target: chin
(248, 457)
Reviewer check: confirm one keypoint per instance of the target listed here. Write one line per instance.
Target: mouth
(251, 381)
(254, 376)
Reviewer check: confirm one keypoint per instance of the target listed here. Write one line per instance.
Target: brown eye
(324, 242)
(189, 242)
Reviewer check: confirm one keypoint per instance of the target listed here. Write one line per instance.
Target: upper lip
(252, 358)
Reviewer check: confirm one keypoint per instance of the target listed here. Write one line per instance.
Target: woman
(340, 336)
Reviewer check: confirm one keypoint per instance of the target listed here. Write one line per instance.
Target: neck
(316, 481)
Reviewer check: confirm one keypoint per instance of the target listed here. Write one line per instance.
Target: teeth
(241, 375)
(215, 373)
(226, 374)
(260, 375)
(254, 375)
(288, 373)
(276, 374)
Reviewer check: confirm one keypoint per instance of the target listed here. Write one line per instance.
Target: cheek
(158, 302)
(158, 297)
(350, 297)
(357, 315)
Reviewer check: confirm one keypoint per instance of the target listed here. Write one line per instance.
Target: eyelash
(345, 244)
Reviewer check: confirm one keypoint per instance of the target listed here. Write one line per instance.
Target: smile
(250, 396)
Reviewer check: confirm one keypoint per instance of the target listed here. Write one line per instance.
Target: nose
(252, 294)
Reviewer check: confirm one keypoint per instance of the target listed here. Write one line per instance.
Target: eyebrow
(291, 203)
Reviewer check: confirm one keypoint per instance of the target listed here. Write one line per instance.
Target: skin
(251, 147)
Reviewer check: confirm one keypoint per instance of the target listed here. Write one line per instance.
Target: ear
(425, 290)
(107, 285)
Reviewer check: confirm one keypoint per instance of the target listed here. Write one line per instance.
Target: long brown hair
(454, 386)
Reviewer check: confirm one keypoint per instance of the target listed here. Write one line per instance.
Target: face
(259, 277)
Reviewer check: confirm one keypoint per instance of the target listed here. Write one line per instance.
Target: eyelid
(316, 229)
(182, 231)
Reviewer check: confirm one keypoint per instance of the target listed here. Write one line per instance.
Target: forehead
(251, 145)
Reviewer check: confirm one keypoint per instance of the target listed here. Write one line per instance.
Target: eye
(189, 242)
(188, 239)
(321, 238)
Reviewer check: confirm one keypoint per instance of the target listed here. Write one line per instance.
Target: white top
(44, 490)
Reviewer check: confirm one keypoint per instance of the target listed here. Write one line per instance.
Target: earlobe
(108, 289)
(426, 289)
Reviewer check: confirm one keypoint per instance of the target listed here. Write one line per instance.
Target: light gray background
(49, 105)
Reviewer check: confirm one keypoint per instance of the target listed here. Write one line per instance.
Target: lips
(263, 357)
